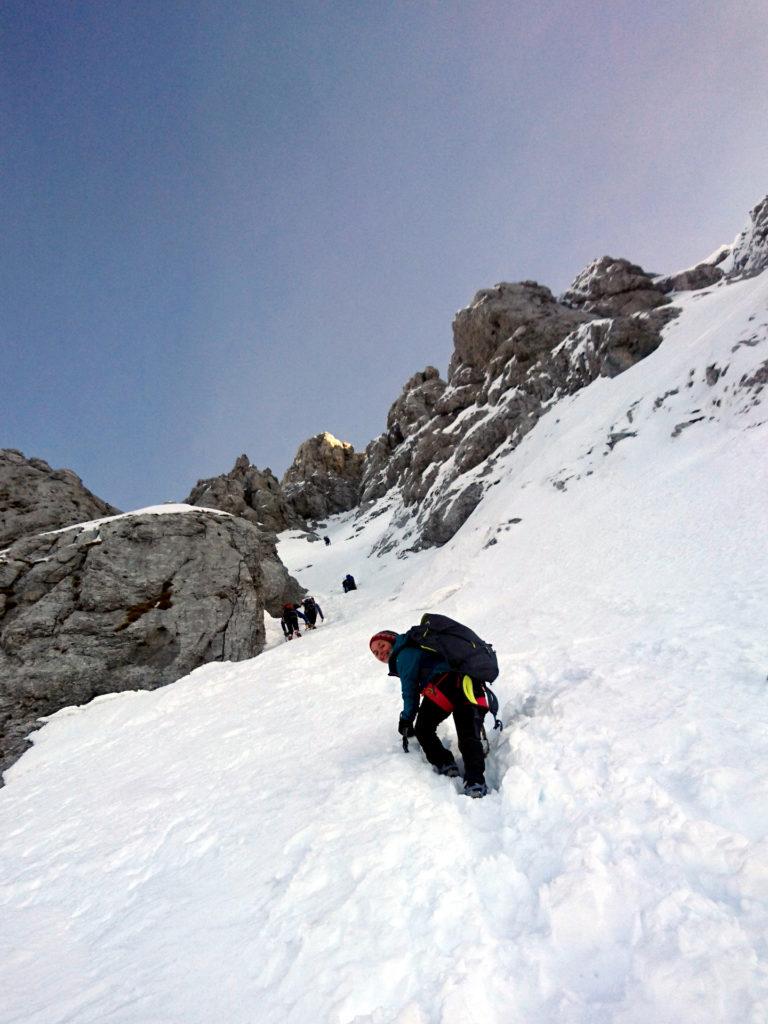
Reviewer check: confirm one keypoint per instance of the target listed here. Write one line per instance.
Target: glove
(405, 727)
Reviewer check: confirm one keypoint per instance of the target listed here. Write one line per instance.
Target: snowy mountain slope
(251, 844)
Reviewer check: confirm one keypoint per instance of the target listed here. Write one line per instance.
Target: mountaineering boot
(449, 770)
(476, 790)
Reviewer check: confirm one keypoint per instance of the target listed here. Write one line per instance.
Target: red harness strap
(432, 692)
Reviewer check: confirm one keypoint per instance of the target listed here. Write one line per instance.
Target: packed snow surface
(252, 845)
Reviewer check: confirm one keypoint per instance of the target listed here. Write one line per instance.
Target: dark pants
(468, 720)
(310, 614)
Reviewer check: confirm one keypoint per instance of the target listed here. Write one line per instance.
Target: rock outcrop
(386, 458)
(749, 253)
(517, 350)
(131, 603)
(614, 287)
(507, 321)
(35, 497)
(703, 275)
(249, 493)
(324, 477)
(256, 496)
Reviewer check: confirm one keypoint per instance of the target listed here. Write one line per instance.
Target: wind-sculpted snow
(251, 844)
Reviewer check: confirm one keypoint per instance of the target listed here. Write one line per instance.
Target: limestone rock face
(523, 318)
(750, 250)
(249, 493)
(416, 403)
(324, 477)
(412, 410)
(703, 275)
(612, 287)
(34, 497)
(257, 497)
(132, 603)
(517, 350)
(497, 338)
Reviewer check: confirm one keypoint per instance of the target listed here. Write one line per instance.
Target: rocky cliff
(128, 603)
(249, 493)
(324, 477)
(256, 496)
(517, 351)
(749, 253)
(34, 497)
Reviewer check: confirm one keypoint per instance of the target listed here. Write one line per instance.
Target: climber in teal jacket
(424, 674)
(414, 667)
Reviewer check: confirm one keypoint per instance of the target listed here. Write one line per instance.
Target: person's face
(381, 649)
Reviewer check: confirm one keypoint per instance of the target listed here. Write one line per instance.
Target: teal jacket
(415, 667)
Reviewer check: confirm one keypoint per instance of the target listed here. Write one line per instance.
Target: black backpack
(464, 651)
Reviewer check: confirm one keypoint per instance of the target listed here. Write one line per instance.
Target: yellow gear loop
(469, 689)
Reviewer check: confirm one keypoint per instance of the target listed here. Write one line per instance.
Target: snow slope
(251, 844)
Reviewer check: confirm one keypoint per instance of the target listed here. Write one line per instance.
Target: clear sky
(227, 226)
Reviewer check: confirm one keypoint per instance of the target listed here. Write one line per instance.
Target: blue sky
(228, 226)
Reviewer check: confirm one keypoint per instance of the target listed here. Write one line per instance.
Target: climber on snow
(425, 673)
(311, 610)
(290, 620)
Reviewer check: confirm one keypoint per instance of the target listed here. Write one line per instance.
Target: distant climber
(327, 541)
(311, 610)
(349, 583)
(290, 620)
(426, 673)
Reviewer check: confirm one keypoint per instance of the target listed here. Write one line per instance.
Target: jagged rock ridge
(249, 493)
(34, 497)
(517, 351)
